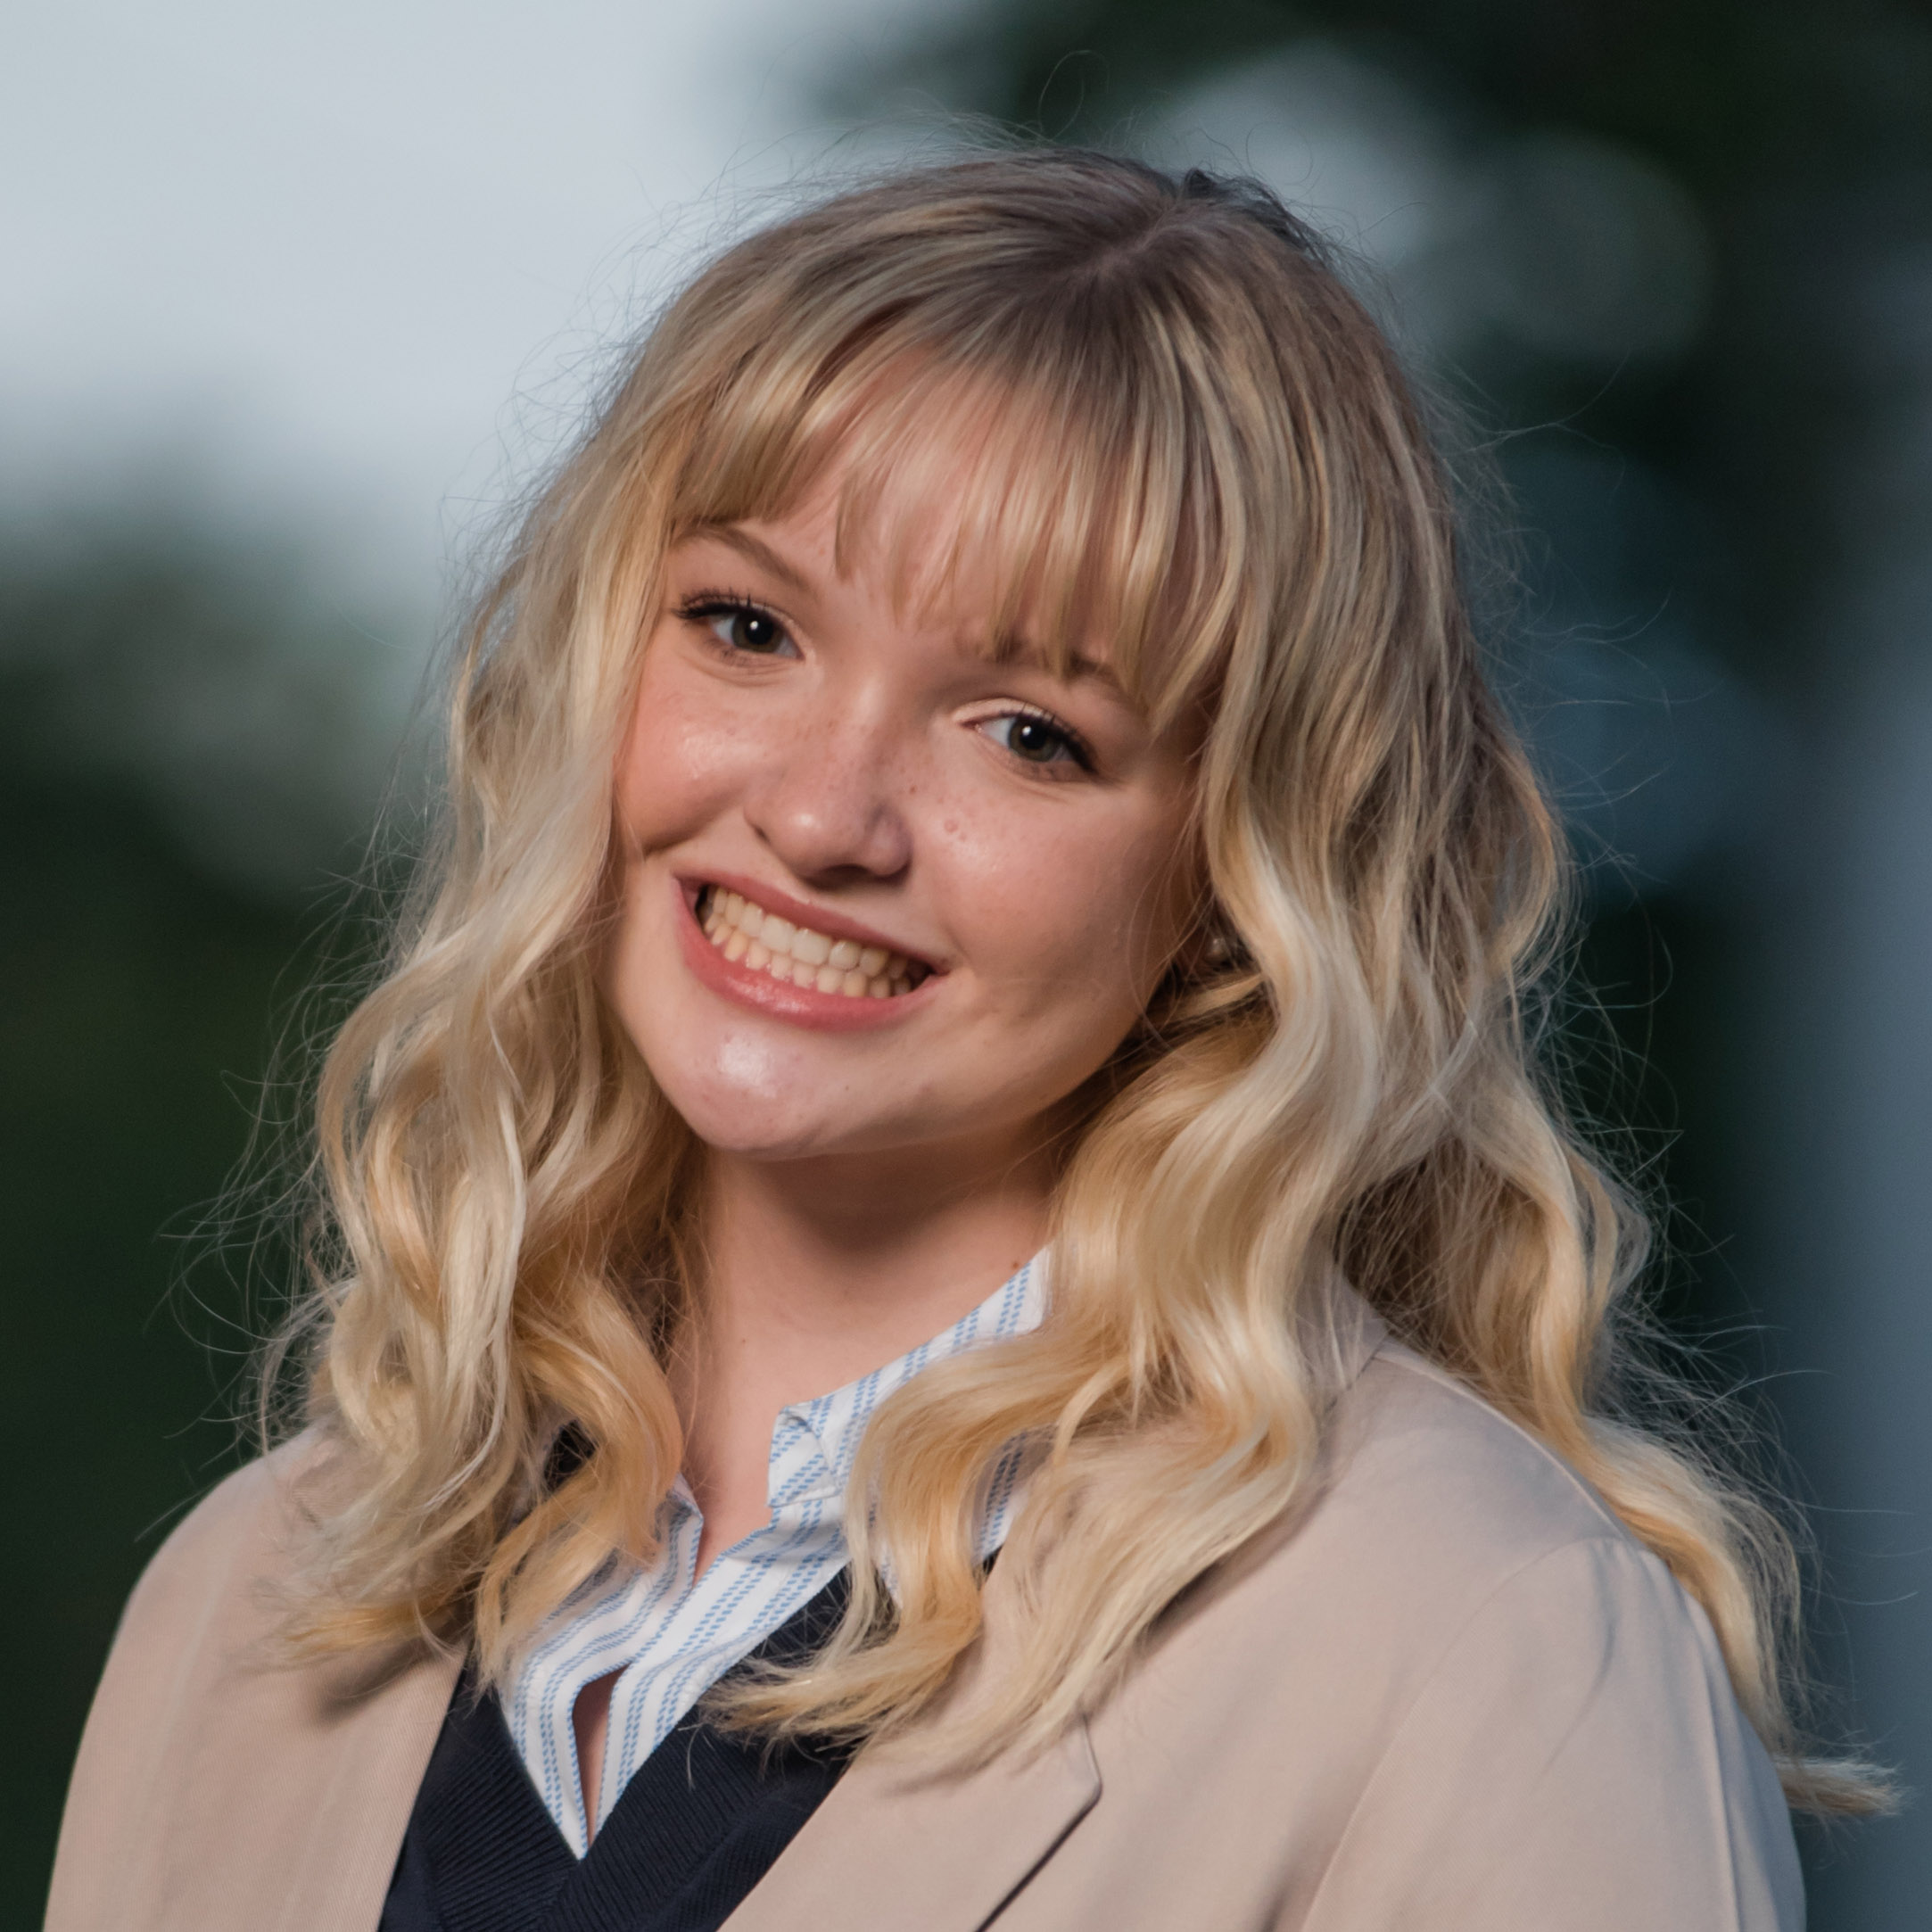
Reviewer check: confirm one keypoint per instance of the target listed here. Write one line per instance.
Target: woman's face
(877, 890)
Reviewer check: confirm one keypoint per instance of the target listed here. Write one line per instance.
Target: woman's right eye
(742, 627)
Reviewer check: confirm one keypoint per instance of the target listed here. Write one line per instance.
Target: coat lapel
(368, 1756)
(896, 1850)
(899, 1847)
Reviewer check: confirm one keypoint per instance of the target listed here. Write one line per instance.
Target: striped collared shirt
(674, 1634)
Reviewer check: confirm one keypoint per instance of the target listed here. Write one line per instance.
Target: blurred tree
(1802, 133)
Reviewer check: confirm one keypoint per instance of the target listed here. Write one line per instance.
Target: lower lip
(802, 1006)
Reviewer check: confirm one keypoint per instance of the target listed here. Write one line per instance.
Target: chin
(755, 1135)
(756, 1118)
(785, 1121)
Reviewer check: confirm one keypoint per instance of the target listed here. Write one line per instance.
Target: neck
(815, 1272)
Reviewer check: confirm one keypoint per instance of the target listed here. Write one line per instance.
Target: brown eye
(742, 627)
(1036, 740)
(753, 631)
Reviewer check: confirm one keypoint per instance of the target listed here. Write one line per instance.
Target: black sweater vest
(701, 1821)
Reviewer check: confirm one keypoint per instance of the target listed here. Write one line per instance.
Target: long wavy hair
(1161, 415)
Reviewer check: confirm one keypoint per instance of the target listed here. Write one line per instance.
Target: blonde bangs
(1076, 495)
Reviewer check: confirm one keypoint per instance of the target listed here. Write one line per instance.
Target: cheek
(679, 760)
(1077, 919)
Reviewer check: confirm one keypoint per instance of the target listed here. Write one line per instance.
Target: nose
(830, 802)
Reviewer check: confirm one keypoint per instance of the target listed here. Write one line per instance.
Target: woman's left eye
(1035, 738)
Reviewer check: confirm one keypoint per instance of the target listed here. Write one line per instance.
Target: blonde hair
(1164, 419)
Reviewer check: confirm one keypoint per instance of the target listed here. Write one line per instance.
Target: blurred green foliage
(144, 999)
(129, 987)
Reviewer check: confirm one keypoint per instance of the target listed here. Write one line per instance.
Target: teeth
(796, 955)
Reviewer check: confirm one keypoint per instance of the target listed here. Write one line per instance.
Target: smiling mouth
(795, 955)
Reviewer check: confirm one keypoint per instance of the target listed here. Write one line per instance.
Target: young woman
(951, 1294)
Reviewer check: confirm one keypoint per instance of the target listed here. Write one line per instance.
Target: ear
(1212, 948)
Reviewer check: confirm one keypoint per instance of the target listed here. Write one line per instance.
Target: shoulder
(1484, 1538)
(244, 1516)
(1431, 1507)
(1567, 1727)
(1489, 1543)
(202, 1615)
(1443, 1527)
(1494, 1533)
(1417, 1453)
(201, 1724)
(1455, 1675)
(220, 1566)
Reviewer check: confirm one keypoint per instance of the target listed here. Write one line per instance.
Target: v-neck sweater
(699, 1824)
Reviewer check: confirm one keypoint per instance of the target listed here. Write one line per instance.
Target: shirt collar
(815, 1444)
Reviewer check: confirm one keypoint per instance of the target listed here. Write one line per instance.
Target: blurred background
(294, 300)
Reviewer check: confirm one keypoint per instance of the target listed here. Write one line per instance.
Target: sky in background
(341, 265)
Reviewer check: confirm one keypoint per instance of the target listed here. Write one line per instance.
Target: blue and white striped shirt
(674, 1634)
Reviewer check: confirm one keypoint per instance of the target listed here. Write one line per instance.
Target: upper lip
(833, 925)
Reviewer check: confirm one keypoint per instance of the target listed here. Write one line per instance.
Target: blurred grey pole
(1845, 1049)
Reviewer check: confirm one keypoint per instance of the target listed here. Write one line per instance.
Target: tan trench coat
(1452, 1695)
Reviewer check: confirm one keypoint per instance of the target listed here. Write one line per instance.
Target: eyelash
(1081, 752)
(711, 603)
(706, 605)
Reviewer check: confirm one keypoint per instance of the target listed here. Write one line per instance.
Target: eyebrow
(1073, 667)
(754, 549)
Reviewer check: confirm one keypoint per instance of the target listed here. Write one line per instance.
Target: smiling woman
(949, 1290)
